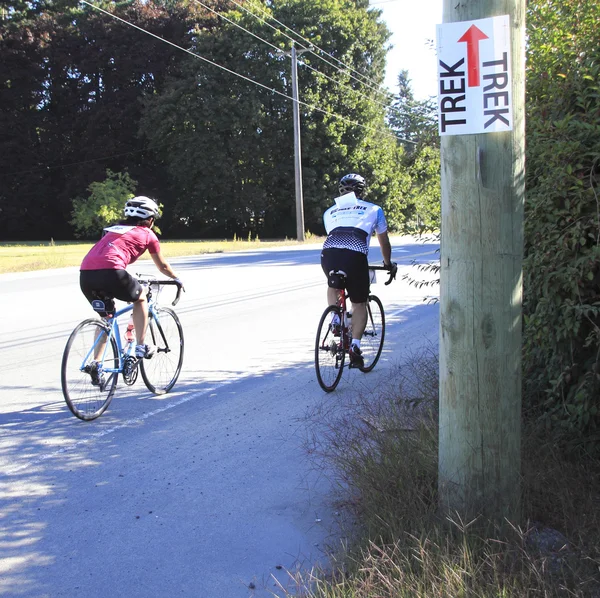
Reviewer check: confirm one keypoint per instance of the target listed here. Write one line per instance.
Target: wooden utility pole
(297, 148)
(481, 280)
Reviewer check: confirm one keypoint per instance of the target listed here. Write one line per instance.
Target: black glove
(392, 268)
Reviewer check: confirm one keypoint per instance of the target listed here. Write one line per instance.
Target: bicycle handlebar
(171, 282)
(393, 271)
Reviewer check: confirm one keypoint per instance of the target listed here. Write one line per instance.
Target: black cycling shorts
(116, 284)
(356, 267)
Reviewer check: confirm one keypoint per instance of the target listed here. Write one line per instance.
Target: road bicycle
(333, 341)
(96, 353)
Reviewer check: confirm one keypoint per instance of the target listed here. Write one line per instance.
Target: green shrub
(562, 232)
(104, 206)
(382, 449)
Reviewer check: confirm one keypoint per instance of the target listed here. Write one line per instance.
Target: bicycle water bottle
(129, 333)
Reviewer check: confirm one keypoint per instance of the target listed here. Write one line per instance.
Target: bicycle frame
(343, 305)
(113, 332)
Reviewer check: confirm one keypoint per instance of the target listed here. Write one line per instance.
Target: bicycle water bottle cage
(336, 279)
(104, 305)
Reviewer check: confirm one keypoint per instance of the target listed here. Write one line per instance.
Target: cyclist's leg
(332, 259)
(140, 316)
(127, 288)
(357, 282)
(93, 284)
(359, 319)
(333, 296)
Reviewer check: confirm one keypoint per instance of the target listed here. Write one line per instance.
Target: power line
(386, 106)
(347, 69)
(248, 79)
(220, 14)
(156, 146)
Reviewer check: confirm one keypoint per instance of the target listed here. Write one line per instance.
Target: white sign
(474, 76)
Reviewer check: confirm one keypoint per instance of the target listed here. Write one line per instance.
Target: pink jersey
(120, 246)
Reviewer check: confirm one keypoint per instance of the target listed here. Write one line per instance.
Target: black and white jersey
(350, 223)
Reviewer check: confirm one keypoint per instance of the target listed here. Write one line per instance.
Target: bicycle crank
(130, 370)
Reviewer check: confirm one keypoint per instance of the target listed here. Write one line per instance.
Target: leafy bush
(104, 206)
(562, 232)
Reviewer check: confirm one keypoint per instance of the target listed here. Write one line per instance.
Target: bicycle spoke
(87, 386)
(371, 343)
(329, 352)
(161, 371)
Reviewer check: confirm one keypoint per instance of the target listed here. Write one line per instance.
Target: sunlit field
(27, 256)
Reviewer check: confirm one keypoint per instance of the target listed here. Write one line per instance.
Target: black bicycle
(333, 340)
(96, 353)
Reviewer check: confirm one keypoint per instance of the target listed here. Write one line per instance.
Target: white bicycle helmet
(141, 207)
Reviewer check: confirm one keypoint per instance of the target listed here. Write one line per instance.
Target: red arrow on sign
(472, 37)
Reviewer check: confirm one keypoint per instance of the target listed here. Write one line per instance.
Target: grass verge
(383, 450)
(23, 257)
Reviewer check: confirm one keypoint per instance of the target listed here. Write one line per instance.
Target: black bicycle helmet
(352, 182)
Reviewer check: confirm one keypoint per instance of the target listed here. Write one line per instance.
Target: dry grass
(23, 257)
(383, 450)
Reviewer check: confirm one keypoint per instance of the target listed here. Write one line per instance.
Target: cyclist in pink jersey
(103, 270)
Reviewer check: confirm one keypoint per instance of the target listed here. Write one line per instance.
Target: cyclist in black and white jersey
(350, 223)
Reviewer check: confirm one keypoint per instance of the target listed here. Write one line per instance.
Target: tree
(415, 124)
(562, 224)
(231, 142)
(73, 79)
(414, 121)
(104, 206)
(85, 92)
(424, 195)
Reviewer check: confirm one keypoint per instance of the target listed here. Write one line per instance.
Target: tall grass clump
(381, 447)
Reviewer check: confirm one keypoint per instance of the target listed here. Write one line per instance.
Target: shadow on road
(206, 487)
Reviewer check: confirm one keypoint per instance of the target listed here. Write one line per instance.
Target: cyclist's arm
(162, 264)
(386, 248)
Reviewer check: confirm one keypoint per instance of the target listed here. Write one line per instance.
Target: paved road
(206, 491)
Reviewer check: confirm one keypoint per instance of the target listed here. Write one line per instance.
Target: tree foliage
(415, 123)
(103, 206)
(231, 142)
(423, 211)
(82, 92)
(71, 80)
(562, 225)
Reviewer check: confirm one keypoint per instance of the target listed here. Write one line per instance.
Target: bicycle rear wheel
(371, 343)
(329, 351)
(161, 371)
(87, 387)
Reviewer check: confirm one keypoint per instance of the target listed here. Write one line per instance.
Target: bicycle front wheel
(371, 343)
(87, 387)
(329, 351)
(161, 371)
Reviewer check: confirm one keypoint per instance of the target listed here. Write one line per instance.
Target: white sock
(356, 343)
(335, 319)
